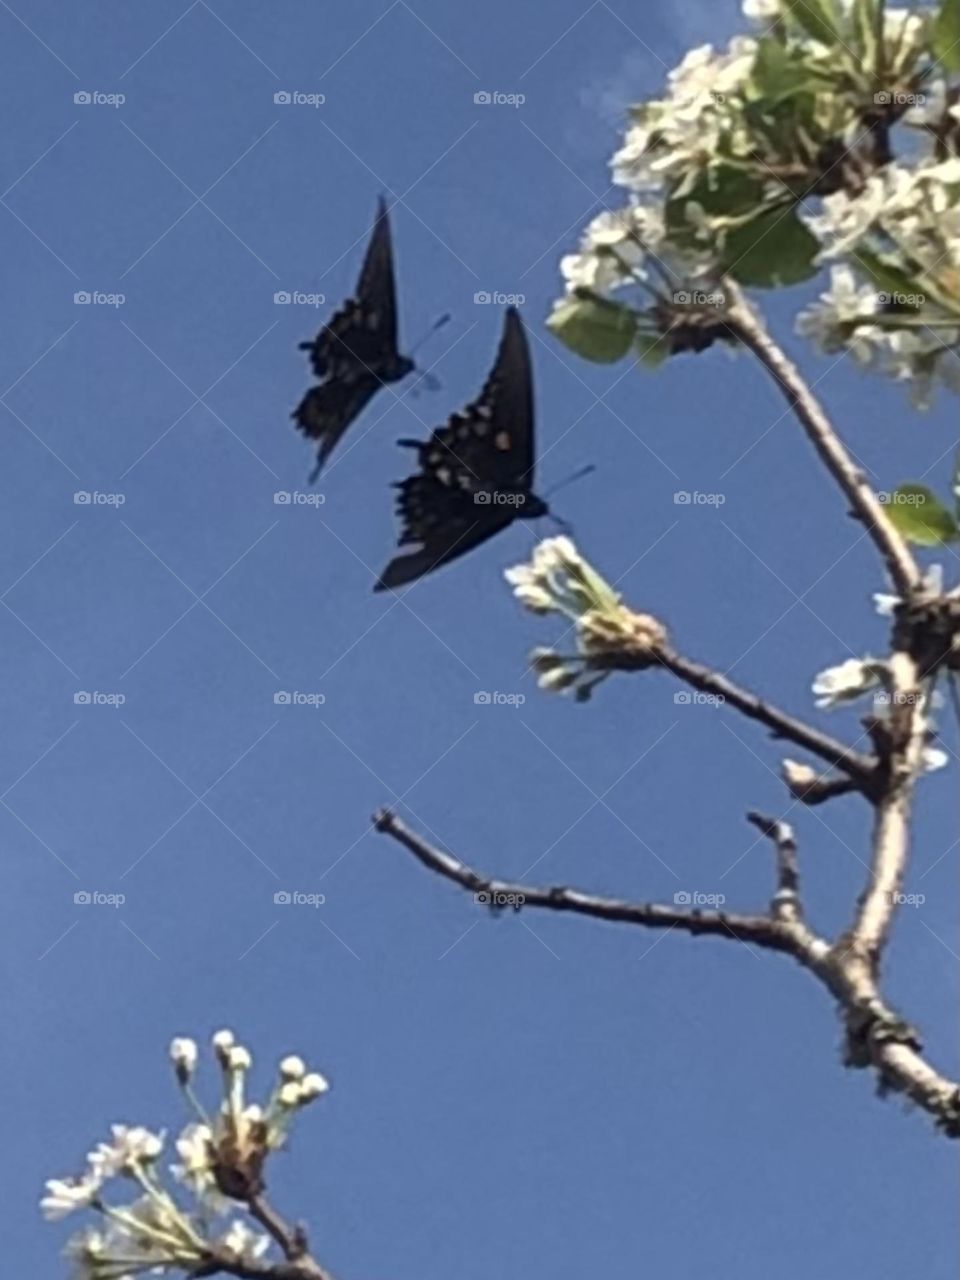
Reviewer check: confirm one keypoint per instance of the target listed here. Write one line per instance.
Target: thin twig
(786, 904)
(744, 321)
(861, 768)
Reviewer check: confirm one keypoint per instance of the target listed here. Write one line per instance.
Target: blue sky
(521, 1096)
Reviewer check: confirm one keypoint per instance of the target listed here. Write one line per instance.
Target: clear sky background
(523, 1096)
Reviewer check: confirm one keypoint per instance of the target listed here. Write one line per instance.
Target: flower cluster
(763, 161)
(905, 222)
(222, 1159)
(608, 635)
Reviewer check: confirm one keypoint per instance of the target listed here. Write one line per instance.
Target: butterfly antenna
(577, 475)
(437, 324)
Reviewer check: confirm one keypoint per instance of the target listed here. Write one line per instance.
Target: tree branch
(905, 734)
(764, 931)
(744, 321)
(861, 768)
(876, 1036)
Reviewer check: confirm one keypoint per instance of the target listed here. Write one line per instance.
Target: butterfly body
(476, 471)
(356, 353)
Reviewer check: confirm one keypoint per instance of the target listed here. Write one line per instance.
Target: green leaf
(780, 73)
(819, 18)
(593, 328)
(771, 250)
(920, 516)
(721, 191)
(946, 35)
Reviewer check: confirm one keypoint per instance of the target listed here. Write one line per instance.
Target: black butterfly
(476, 472)
(356, 353)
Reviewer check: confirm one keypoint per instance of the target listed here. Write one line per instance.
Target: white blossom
(65, 1195)
(824, 321)
(131, 1147)
(195, 1151)
(312, 1086)
(846, 682)
(183, 1054)
(293, 1068)
(934, 758)
(245, 1244)
(761, 10)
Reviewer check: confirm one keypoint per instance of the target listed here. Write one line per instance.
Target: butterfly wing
(356, 353)
(326, 411)
(446, 507)
(364, 331)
